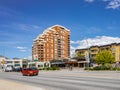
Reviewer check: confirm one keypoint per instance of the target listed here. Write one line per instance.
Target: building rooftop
(50, 28)
(98, 46)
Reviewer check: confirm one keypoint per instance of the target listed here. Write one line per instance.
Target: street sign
(3, 61)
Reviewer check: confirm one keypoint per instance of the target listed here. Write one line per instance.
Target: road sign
(3, 61)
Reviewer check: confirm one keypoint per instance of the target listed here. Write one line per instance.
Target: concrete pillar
(21, 63)
(79, 65)
(84, 65)
(73, 64)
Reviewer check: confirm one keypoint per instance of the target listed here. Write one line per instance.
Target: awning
(71, 62)
(17, 65)
(35, 60)
(82, 62)
(58, 63)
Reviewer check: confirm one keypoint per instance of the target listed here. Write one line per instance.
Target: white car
(8, 69)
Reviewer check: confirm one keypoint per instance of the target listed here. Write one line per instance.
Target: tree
(104, 57)
(79, 55)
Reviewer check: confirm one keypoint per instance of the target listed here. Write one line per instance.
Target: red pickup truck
(30, 71)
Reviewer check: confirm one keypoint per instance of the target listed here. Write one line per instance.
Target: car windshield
(9, 65)
(32, 68)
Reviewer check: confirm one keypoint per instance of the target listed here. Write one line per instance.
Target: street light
(88, 54)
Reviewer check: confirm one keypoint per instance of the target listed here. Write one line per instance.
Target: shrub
(51, 68)
(106, 66)
(97, 68)
(55, 68)
(118, 69)
(88, 68)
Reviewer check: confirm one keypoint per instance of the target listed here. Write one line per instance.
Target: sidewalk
(10, 85)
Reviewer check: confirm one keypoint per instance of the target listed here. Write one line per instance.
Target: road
(68, 80)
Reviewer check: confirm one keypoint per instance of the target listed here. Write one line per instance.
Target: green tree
(79, 55)
(104, 57)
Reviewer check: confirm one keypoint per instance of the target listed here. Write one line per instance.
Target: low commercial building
(15, 63)
(93, 51)
(39, 65)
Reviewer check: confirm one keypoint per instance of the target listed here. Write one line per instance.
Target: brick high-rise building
(52, 44)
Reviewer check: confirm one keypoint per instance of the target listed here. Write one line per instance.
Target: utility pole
(88, 54)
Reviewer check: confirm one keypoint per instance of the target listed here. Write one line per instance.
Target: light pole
(88, 54)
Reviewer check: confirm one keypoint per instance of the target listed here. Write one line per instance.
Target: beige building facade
(93, 50)
(52, 44)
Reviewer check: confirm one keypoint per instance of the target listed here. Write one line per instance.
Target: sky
(91, 22)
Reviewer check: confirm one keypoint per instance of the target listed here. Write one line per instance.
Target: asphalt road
(68, 80)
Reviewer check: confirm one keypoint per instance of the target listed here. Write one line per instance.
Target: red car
(30, 71)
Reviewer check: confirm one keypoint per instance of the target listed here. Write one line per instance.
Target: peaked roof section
(59, 26)
(50, 28)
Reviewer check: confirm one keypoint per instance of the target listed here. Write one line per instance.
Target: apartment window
(113, 49)
(59, 56)
(93, 55)
(113, 54)
(94, 51)
(41, 45)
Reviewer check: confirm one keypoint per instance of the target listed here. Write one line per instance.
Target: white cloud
(89, 1)
(111, 4)
(74, 42)
(72, 50)
(29, 57)
(19, 47)
(22, 49)
(98, 40)
(114, 4)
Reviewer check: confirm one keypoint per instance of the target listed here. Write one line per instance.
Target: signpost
(87, 57)
(3, 61)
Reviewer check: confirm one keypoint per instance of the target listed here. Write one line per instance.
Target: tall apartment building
(93, 50)
(52, 44)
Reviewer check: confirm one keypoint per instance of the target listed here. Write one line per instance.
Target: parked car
(8, 69)
(30, 71)
(17, 69)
